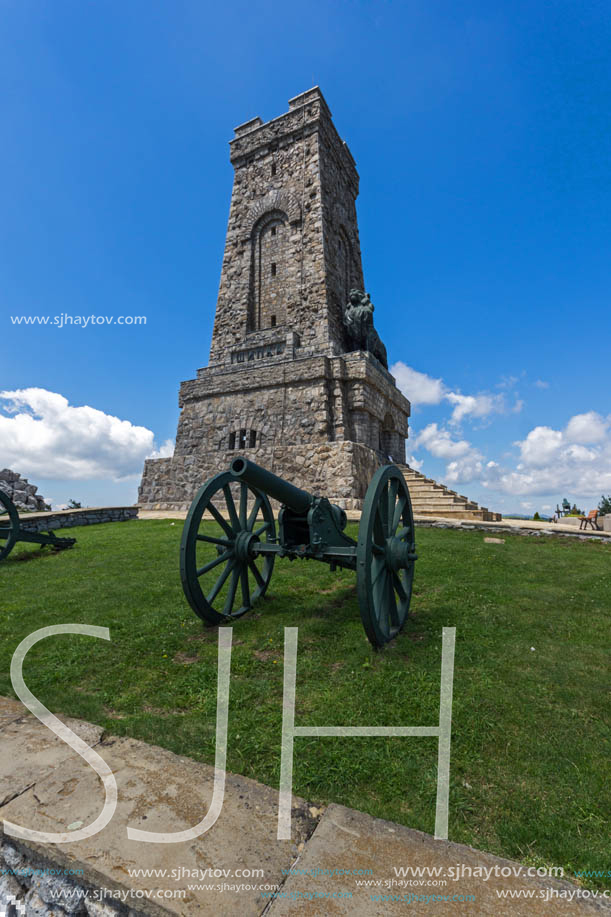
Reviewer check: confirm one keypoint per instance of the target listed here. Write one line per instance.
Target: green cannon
(11, 530)
(229, 544)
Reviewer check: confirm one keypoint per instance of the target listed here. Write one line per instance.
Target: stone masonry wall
(339, 471)
(343, 266)
(293, 402)
(293, 409)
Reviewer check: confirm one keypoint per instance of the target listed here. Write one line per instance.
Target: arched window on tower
(268, 271)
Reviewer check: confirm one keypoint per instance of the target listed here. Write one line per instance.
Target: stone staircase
(432, 499)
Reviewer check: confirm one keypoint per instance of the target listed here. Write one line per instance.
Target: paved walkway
(45, 786)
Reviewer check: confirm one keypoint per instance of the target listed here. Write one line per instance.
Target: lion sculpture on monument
(358, 319)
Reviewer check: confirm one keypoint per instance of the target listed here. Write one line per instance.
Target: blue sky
(481, 135)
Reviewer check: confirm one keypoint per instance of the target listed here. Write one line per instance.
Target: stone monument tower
(285, 384)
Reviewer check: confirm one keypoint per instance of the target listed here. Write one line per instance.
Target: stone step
(436, 496)
(479, 515)
(430, 498)
(440, 494)
(424, 488)
(430, 505)
(420, 494)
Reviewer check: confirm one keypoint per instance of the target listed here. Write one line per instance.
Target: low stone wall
(494, 528)
(603, 523)
(65, 519)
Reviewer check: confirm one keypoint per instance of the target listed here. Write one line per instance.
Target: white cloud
(417, 386)
(587, 428)
(44, 436)
(553, 462)
(464, 461)
(464, 469)
(414, 463)
(475, 405)
(510, 382)
(580, 453)
(541, 384)
(439, 442)
(540, 446)
(420, 389)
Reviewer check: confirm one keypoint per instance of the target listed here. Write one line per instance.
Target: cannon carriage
(11, 531)
(229, 544)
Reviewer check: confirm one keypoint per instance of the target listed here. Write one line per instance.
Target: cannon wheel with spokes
(221, 576)
(385, 556)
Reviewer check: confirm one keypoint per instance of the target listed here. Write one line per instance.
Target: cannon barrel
(251, 473)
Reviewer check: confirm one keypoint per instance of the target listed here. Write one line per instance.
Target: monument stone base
(326, 424)
(339, 471)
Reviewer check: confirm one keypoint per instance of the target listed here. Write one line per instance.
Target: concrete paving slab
(346, 841)
(159, 791)
(29, 751)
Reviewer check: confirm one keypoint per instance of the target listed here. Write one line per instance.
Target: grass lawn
(530, 775)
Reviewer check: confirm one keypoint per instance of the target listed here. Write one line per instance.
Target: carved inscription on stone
(262, 352)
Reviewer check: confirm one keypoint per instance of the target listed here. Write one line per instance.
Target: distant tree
(575, 511)
(536, 517)
(604, 507)
(72, 504)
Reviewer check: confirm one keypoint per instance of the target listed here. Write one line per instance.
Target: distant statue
(358, 319)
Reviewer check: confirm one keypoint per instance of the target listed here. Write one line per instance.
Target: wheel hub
(398, 554)
(243, 546)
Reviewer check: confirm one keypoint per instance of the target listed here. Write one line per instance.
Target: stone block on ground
(159, 791)
(39, 752)
(349, 840)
